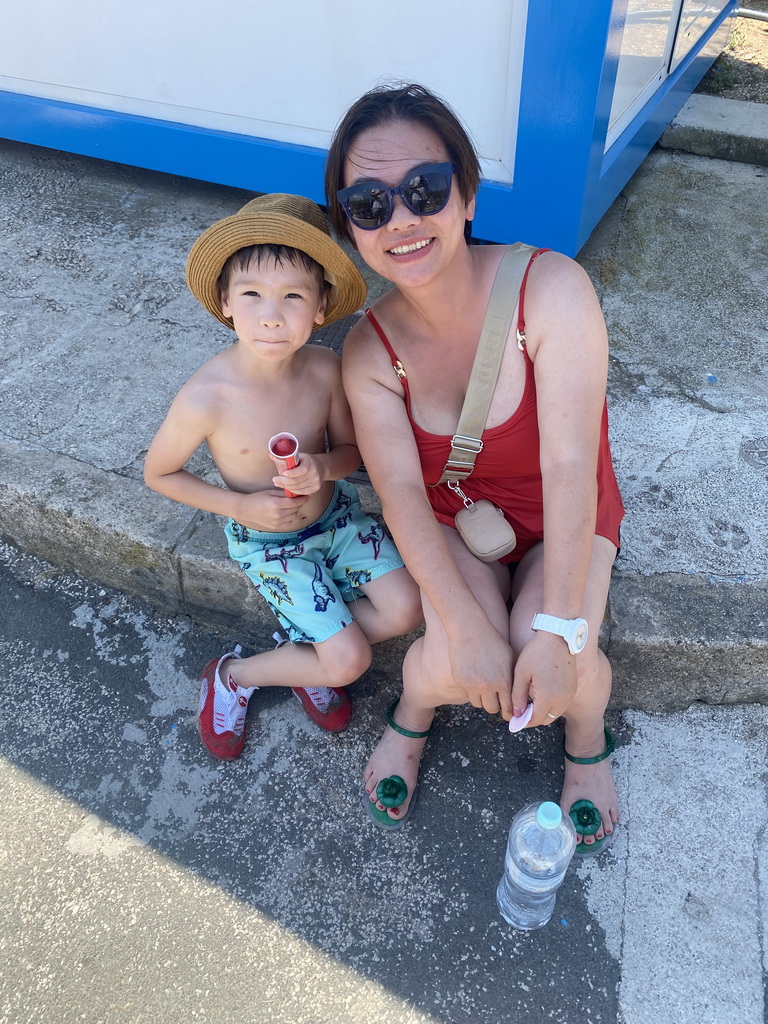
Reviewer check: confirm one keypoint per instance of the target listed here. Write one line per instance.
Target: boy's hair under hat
(283, 220)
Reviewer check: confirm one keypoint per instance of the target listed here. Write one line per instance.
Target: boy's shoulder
(316, 358)
(321, 354)
(201, 388)
(218, 367)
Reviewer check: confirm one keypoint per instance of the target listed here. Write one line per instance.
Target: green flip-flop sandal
(393, 791)
(585, 816)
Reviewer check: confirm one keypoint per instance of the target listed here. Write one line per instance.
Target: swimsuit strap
(382, 335)
(521, 302)
(397, 366)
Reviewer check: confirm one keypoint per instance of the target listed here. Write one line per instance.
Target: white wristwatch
(573, 631)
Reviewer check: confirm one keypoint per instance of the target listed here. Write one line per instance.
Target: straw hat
(284, 220)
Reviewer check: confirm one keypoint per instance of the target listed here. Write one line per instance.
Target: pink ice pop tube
(283, 450)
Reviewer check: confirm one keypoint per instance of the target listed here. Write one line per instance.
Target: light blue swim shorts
(309, 577)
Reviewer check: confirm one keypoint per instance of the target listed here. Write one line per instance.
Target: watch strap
(558, 626)
(550, 623)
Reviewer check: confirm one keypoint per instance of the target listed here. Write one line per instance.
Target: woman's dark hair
(409, 103)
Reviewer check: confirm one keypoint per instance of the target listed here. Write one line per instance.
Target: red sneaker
(328, 706)
(221, 719)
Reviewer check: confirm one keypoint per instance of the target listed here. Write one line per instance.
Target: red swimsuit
(507, 470)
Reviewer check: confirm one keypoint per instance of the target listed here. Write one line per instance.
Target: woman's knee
(427, 675)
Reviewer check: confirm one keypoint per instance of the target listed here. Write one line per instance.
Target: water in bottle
(539, 850)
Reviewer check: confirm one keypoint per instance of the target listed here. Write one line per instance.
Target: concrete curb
(674, 639)
(726, 129)
(111, 529)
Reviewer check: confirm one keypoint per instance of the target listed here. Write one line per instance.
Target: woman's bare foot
(593, 782)
(398, 755)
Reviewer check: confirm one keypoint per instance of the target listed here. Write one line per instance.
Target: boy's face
(273, 307)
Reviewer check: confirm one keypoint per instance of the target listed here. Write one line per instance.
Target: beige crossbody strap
(467, 442)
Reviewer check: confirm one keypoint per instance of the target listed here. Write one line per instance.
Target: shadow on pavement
(103, 711)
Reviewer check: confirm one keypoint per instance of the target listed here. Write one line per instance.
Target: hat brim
(214, 247)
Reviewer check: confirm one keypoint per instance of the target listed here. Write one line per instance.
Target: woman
(401, 182)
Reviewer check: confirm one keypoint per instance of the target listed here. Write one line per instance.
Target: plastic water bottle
(539, 850)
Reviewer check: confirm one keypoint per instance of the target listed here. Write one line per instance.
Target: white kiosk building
(563, 99)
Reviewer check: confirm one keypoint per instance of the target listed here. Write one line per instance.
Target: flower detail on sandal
(586, 818)
(392, 791)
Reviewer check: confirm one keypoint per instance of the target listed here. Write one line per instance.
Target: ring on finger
(550, 715)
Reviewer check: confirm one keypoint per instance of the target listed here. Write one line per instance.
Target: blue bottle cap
(548, 815)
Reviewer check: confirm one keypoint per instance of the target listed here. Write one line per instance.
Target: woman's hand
(481, 665)
(545, 673)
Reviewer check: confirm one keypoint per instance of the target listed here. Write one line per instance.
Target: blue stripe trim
(559, 96)
(633, 145)
(225, 158)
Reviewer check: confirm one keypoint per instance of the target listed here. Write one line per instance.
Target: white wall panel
(279, 70)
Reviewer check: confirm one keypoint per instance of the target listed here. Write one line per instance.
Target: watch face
(580, 638)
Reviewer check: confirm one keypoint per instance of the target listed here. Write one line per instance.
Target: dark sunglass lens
(368, 207)
(428, 192)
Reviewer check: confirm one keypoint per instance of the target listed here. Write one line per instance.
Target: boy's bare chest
(249, 418)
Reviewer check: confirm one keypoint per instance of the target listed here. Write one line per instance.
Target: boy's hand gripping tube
(283, 450)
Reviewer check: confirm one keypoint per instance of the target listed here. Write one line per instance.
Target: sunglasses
(424, 190)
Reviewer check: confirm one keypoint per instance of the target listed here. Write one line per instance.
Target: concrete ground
(127, 882)
(144, 882)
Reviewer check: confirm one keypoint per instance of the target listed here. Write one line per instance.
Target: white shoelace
(229, 710)
(230, 706)
(321, 696)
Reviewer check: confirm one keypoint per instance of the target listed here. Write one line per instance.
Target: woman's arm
(481, 659)
(343, 455)
(568, 345)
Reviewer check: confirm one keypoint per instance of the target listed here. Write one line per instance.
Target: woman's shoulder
(560, 301)
(367, 331)
(365, 355)
(360, 335)
(555, 280)
(547, 263)
(552, 264)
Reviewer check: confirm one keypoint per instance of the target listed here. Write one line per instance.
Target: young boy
(332, 577)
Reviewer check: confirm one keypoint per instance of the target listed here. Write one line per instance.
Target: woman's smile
(409, 248)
